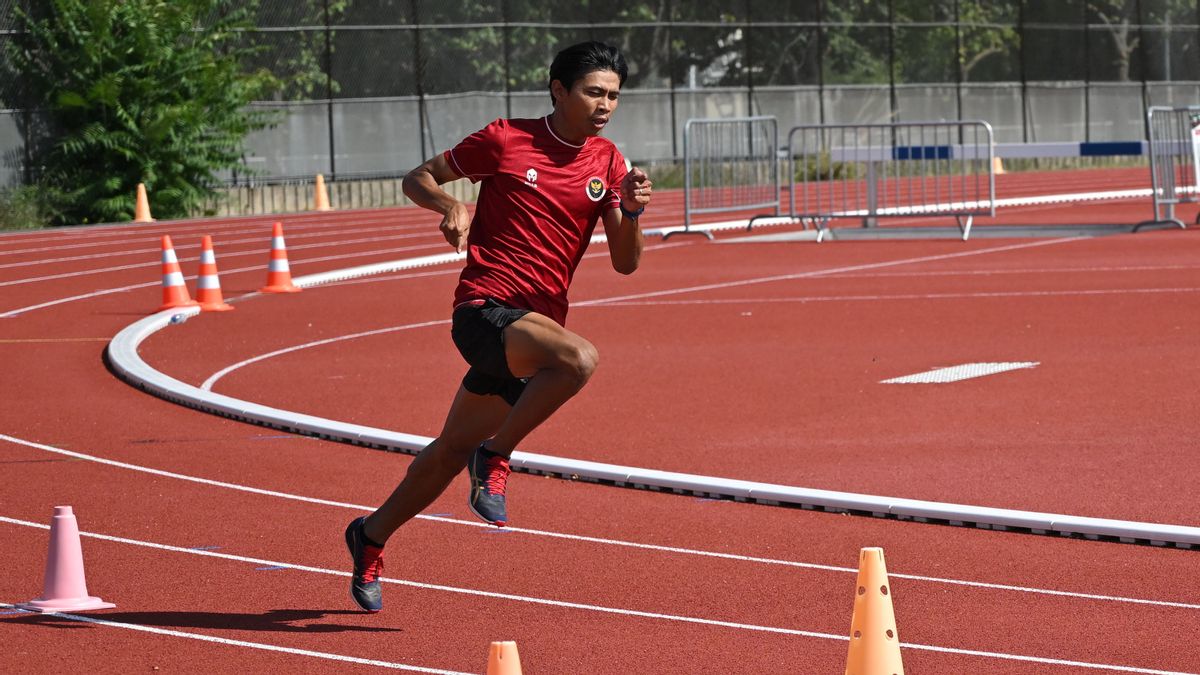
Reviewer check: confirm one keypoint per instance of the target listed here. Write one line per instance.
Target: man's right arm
(423, 186)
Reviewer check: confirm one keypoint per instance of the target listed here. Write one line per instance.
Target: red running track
(774, 380)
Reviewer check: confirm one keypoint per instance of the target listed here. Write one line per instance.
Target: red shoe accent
(371, 563)
(498, 471)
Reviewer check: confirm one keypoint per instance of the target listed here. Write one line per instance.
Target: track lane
(628, 580)
(985, 439)
(179, 436)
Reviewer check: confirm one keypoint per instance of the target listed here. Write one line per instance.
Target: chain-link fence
(375, 86)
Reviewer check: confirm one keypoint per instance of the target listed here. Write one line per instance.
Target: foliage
(295, 57)
(822, 168)
(147, 91)
(23, 208)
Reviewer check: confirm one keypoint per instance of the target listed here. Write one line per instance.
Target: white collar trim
(558, 138)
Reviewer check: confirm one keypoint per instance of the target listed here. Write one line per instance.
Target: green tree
(297, 57)
(133, 91)
(980, 46)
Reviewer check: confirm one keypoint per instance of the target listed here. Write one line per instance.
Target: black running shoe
(368, 566)
(489, 475)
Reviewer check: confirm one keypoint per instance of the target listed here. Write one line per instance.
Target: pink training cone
(279, 275)
(208, 285)
(65, 589)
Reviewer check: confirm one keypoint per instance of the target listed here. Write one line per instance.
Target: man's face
(590, 103)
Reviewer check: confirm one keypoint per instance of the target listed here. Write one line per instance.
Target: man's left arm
(621, 224)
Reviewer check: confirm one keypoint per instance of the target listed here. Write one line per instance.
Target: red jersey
(539, 203)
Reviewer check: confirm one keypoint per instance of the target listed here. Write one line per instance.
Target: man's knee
(581, 360)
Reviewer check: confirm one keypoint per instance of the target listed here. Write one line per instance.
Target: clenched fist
(636, 189)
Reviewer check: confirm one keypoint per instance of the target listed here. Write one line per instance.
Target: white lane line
(593, 540)
(123, 354)
(233, 254)
(257, 268)
(222, 244)
(414, 275)
(1025, 270)
(207, 385)
(899, 296)
(564, 604)
(825, 272)
(965, 371)
(100, 621)
(187, 227)
(107, 291)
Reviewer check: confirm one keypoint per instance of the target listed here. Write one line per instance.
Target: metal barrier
(1174, 146)
(729, 164)
(902, 169)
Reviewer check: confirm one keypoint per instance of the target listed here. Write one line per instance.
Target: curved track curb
(126, 363)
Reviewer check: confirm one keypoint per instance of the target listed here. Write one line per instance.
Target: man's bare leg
(471, 420)
(557, 362)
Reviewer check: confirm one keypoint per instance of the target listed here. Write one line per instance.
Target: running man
(546, 182)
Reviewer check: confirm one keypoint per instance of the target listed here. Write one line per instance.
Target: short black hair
(578, 60)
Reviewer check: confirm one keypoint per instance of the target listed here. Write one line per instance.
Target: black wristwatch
(632, 215)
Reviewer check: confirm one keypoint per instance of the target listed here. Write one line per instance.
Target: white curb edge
(123, 358)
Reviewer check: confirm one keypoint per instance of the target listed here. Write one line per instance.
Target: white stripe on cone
(173, 279)
(278, 265)
(208, 282)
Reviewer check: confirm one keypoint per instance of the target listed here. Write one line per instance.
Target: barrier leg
(965, 228)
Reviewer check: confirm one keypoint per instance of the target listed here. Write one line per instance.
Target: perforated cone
(141, 209)
(279, 274)
(174, 291)
(874, 641)
(320, 195)
(208, 284)
(503, 659)
(65, 588)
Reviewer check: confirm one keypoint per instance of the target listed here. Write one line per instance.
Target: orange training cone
(141, 210)
(174, 291)
(208, 286)
(998, 166)
(65, 589)
(320, 196)
(279, 275)
(503, 659)
(874, 642)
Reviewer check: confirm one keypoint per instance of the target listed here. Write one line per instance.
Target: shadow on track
(275, 620)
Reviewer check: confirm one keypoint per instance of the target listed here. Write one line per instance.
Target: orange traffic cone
(503, 659)
(874, 642)
(141, 211)
(279, 275)
(174, 291)
(998, 166)
(208, 286)
(320, 196)
(65, 588)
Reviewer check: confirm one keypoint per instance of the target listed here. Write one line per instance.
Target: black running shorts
(478, 331)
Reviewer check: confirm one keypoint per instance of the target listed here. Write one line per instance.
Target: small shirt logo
(595, 188)
(531, 177)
